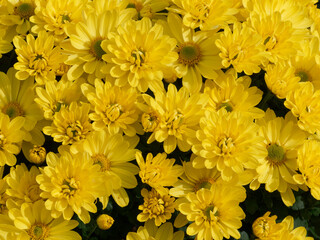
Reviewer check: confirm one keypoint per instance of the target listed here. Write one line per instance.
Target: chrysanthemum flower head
(70, 124)
(309, 166)
(138, 52)
(266, 228)
(71, 184)
(33, 221)
(104, 221)
(242, 48)
(158, 171)
(228, 141)
(115, 108)
(37, 58)
(151, 231)
(156, 206)
(215, 213)
(299, 233)
(179, 113)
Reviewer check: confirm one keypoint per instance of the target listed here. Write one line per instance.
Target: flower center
(261, 228)
(149, 122)
(226, 105)
(303, 76)
(270, 42)
(155, 205)
(63, 68)
(138, 57)
(65, 18)
(76, 131)
(24, 10)
(38, 231)
(3, 139)
(203, 183)
(13, 109)
(135, 4)
(189, 54)
(69, 187)
(211, 213)
(37, 154)
(276, 153)
(38, 62)
(114, 111)
(150, 174)
(97, 50)
(103, 161)
(34, 192)
(226, 146)
(174, 120)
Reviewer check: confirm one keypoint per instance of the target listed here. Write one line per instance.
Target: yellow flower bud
(37, 154)
(104, 221)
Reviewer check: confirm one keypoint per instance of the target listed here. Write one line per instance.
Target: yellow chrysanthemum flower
(266, 228)
(22, 186)
(152, 9)
(104, 221)
(56, 94)
(159, 171)
(37, 58)
(33, 221)
(233, 95)
(198, 55)
(113, 152)
(282, 139)
(281, 78)
(205, 14)
(115, 108)
(71, 184)
(11, 137)
(215, 213)
(70, 124)
(299, 233)
(151, 231)
(138, 53)
(53, 16)
(36, 154)
(179, 113)
(309, 166)
(242, 48)
(230, 142)
(304, 103)
(156, 206)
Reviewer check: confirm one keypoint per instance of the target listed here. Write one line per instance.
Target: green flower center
(13, 110)
(211, 209)
(38, 231)
(189, 54)
(276, 153)
(103, 161)
(97, 49)
(65, 18)
(303, 76)
(226, 105)
(24, 10)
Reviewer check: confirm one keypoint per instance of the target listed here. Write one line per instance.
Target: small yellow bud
(37, 154)
(104, 221)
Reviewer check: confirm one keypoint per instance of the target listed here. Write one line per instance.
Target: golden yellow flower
(151, 231)
(215, 213)
(156, 206)
(179, 114)
(70, 124)
(138, 53)
(309, 166)
(266, 228)
(299, 233)
(71, 184)
(152, 9)
(230, 142)
(205, 14)
(113, 152)
(159, 171)
(115, 108)
(104, 221)
(37, 58)
(37, 154)
(22, 186)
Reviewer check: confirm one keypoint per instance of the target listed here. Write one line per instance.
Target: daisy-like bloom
(53, 16)
(242, 48)
(22, 186)
(179, 115)
(304, 103)
(104, 221)
(151, 231)
(37, 58)
(205, 14)
(83, 46)
(228, 141)
(138, 52)
(71, 184)
(33, 221)
(280, 39)
(266, 228)
(158, 171)
(15, 15)
(281, 78)
(152, 9)
(282, 139)
(17, 99)
(11, 137)
(156, 206)
(234, 95)
(309, 166)
(115, 108)
(215, 213)
(70, 124)
(113, 152)
(198, 55)
(56, 94)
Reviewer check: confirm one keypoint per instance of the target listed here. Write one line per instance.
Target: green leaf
(244, 236)
(299, 204)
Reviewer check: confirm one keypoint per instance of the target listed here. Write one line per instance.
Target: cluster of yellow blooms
(95, 75)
